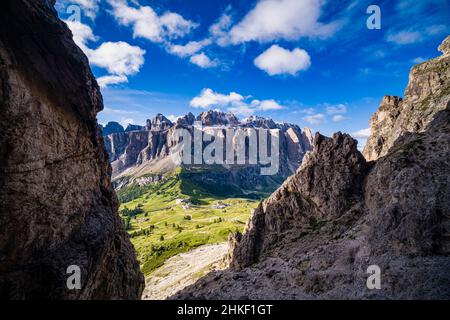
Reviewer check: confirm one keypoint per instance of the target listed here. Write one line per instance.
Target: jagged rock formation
(112, 127)
(154, 151)
(428, 92)
(57, 205)
(318, 233)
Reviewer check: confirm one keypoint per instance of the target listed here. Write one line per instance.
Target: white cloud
(362, 134)
(281, 19)
(336, 109)
(120, 59)
(338, 118)
(233, 102)
(188, 49)
(146, 23)
(277, 60)
(175, 26)
(82, 33)
(219, 29)
(208, 98)
(203, 61)
(405, 37)
(266, 105)
(315, 119)
(105, 81)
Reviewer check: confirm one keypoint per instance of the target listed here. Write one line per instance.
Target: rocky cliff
(57, 205)
(428, 92)
(317, 235)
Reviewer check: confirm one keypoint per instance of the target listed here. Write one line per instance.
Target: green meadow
(177, 215)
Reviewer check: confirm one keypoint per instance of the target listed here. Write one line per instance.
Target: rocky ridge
(427, 93)
(153, 150)
(57, 204)
(316, 236)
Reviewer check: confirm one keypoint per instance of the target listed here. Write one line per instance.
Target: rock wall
(316, 236)
(57, 205)
(428, 92)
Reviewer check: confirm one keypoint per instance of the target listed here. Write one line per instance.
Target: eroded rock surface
(427, 93)
(57, 205)
(316, 236)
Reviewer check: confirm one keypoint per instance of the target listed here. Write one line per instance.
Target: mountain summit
(153, 150)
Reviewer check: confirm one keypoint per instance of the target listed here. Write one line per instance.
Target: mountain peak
(217, 118)
(158, 123)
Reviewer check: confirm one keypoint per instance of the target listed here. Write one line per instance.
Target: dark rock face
(316, 236)
(57, 205)
(187, 120)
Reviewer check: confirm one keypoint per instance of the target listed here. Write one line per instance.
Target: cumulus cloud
(220, 29)
(277, 60)
(203, 61)
(146, 23)
(120, 59)
(315, 119)
(281, 19)
(208, 98)
(188, 49)
(233, 102)
(362, 134)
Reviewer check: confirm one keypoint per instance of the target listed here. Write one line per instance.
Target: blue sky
(310, 62)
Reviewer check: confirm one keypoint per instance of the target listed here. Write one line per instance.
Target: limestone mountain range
(138, 152)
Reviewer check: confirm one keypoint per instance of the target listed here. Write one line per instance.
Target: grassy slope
(164, 228)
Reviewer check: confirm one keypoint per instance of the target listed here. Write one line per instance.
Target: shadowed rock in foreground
(57, 205)
(315, 237)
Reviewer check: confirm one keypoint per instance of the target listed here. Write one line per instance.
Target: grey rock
(57, 204)
(315, 237)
